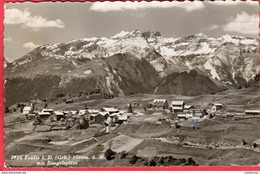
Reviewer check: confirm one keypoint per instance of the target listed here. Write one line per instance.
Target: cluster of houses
(107, 115)
(111, 116)
(181, 109)
(184, 111)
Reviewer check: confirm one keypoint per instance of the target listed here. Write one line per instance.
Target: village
(140, 125)
(176, 113)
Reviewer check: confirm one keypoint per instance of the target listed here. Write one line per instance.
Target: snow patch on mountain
(214, 56)
(213, 71)
(205, 49)
(121, 34)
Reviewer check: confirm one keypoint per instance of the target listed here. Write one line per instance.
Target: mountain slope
(231, 60)
(120, 74)
(185, 83)
(133, 62)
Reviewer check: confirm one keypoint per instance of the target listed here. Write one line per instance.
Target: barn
(27, 110)
(255, 112)
(177, 106)
(44, 115)
(160, 104)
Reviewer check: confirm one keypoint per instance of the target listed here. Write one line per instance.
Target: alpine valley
(134, 62)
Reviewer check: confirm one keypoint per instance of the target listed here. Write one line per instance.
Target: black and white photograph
(131, 84)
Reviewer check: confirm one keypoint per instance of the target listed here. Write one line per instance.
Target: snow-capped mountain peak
(120, 35)
(224, 58)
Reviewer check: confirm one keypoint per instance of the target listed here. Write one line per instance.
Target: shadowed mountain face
(118, 75)
(185, 83)
(133, 62)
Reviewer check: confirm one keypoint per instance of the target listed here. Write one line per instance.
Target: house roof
(94, 115)
(122, 112)
(257, 141)
(114, 114)
(177, 102)
(159, 100)
(92, 111)
(110, 109)
(58, 113)
(73, 112)
(256, 111)
(44, 113)
(47, 110)
(82, 111)
(103, 113)
(195, 118)
(122, 117)
(27, 108)
(187, 106)
(176, 107)
(181, 115)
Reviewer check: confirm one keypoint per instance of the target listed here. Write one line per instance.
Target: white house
(185, 115)
(73, 112)
(188, 107)
(177, 106)
(189, 115)
(44, 114)
(47, 110)
(181, 115)
(197, 113)
(82, 111)
(216, 106)
(110, 110)
(114, 115)
(104, 114)
(27, 110)
(93, 111)
(253, 112)
(257, 142)
(256, 145)
(122, 118)
(159, 100)
(159, 103)
(59, 113)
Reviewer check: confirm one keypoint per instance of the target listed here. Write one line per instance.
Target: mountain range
(133, 62)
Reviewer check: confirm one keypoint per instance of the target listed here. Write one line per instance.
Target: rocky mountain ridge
(136, 62)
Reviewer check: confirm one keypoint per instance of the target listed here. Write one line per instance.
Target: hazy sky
(28, 25)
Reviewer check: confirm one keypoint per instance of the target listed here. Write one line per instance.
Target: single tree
(165, 105)
(110, 154)
(130, 108)
(244, 142)
(133, 159)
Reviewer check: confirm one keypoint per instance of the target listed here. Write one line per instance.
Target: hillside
(118, 75)
(185, 83)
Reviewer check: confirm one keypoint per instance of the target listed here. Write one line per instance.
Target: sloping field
(145, 129)
(203, 157)
(122, 143)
